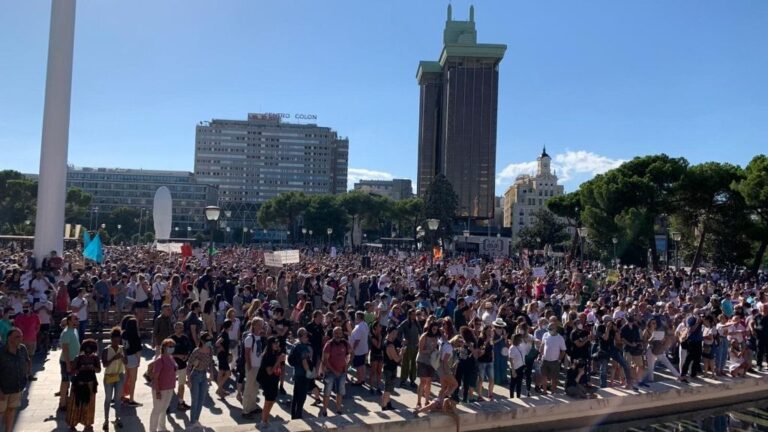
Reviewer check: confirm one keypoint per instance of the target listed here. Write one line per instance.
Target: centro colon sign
(271, 116)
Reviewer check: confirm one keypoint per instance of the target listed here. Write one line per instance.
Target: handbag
(111, 378)
(434, 359)
(532, 354)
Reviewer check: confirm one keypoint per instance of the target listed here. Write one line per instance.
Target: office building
(253, 160)
(457, 117)
(111, 188)
(396, 189)
(530, 193)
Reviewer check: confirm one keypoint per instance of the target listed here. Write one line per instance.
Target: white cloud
(354, 175)
(568, 166)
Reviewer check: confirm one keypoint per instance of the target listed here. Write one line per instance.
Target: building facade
(529, 194)
(396, 189)
(458, 115)
(253, 160)
(112, 188)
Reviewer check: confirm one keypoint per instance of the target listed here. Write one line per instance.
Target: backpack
(241, 349)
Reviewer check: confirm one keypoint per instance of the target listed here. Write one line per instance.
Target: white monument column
(52, 183)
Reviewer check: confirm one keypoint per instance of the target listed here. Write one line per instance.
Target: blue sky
(597, 82)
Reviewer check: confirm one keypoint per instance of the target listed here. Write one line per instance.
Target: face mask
(553, 332)
(26, 311)
(209, 344)
(170, 350)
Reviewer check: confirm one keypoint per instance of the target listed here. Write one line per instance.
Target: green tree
(323, 212)
(706, 201)
(283, 211)
(407, 214)
(754, 189)
(17, 203)
(78, 206)
(441, 202)
(627, 201)
(547, 229)
(568, 208)
(127, 218)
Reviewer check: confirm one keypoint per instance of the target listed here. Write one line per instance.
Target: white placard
(272, 259)
(289, 256)
(539, 272)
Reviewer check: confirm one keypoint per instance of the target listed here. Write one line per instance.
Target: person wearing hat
(500, 351)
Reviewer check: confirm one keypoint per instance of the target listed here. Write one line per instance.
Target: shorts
(12, 400)
(181, 377)
(141, 305)
(65, 376)
(389, 380)
(424, 370)
(132, 361)
(334, 383)
(358, 360)
(550, 369)
(485, 371)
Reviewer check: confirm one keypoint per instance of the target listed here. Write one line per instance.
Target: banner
(539, 272)
(280, 258)
(67, 230)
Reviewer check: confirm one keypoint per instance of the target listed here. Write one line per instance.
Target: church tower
(544, 160)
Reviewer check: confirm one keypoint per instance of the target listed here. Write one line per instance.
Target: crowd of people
(331, 321)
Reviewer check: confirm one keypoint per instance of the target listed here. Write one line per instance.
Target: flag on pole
(94, 251)
(86, 239)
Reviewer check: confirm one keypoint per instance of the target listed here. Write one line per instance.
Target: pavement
(38, 411)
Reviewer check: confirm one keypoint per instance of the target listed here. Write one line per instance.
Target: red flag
(186, 250)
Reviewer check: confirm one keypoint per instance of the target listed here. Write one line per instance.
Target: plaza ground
(362, 412)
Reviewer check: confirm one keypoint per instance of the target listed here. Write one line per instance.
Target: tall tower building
(457, 117)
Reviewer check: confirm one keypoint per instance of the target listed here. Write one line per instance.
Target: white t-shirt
(552, 345)
(82, 313)
(141, 295)
(158, 289)
(45, 316)
(234, 330)
(256, 350)
(328, 293)
(38, 287)
(360, 333)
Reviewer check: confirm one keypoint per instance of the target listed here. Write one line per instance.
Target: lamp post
(466, 240)
(175, 231)
(229, 237)
(583, 232)
(615, 241)
(433, 225)
(212, 214)
(287, 237)
(329, 231)
(310, 237)
(304, 235)
(245, 230)
(676, 238)
(189, 232)
(265, 234)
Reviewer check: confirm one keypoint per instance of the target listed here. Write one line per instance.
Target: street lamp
(304, 235)
(245, 230)
(228, 236)
(175, 231)
(615, 241)
(189, 231)
(212, 214)
(433, 225)
(310, 237)
(676, 236)
(583, 232)
(287, 235)
(329, 231)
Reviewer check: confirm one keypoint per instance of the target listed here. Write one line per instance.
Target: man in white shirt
(359, 341)
(38, 286)
(44, 309)
(79, 305)
(254, 349)
(552, 353)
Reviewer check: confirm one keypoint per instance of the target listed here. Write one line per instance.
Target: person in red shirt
(29, 323)
(336, 356)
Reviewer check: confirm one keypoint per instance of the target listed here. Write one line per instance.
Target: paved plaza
(38, 412)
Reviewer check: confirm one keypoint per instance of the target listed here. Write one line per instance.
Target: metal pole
(210, 247)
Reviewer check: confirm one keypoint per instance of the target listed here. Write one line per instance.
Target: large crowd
(336, 320)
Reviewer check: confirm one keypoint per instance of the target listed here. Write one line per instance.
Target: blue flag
(94, 251)
(86, 239)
